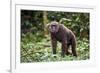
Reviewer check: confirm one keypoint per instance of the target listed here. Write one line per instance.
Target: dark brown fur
(63, 35)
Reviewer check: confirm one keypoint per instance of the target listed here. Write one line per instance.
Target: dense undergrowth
(38, 49)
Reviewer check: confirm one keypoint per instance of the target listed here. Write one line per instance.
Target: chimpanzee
(64, 35)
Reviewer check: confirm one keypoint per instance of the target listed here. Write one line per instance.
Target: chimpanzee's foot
(75, 54)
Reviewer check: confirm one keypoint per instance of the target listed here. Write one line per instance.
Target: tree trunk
(45, 21)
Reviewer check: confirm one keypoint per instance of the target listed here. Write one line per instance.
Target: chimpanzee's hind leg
(73, 45)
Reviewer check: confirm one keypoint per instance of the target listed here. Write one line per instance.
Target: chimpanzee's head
(53, 27)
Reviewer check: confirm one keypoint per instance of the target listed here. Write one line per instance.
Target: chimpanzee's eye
(53, 25)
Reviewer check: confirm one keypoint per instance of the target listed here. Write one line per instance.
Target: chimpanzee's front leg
(54, 44)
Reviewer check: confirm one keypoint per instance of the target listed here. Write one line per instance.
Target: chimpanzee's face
(54, 27)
